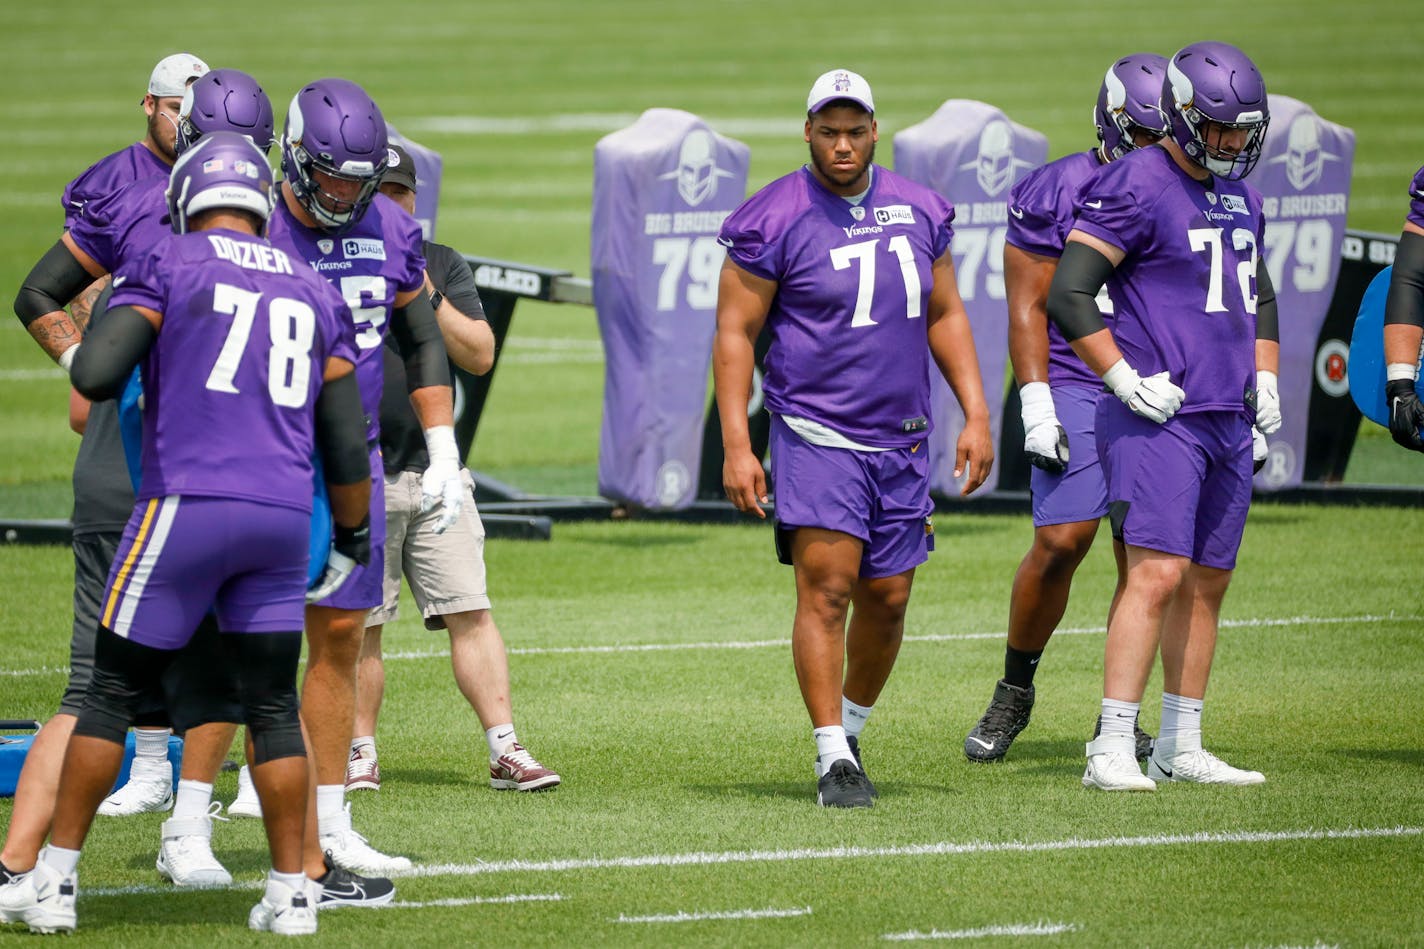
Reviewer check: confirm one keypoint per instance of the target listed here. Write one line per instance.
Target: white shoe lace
(358, 768)
(518, 759)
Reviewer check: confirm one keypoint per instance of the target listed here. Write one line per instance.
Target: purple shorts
(182, 556)
(1081, 492)
(881, 497)
(1182, 488)
(365, 588)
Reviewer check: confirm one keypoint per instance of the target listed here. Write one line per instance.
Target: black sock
(1019, 667)
(6, 874)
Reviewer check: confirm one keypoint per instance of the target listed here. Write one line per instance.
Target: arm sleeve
(341, 431)
(103, 364)
(1405, 303)
(54, 281)
(418, 339)
(1268, 323)
(1072, 297)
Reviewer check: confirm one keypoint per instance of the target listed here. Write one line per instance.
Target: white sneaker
(1183, 759)
(149, 790)
(186, 856)
(246, 803)
(1112, 765)
(349, 849)
(284, 910)
(41, 898)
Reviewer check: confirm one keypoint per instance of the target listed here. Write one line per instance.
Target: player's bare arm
(1027, 277)
(743, 301)
(951, 341)
(55, 279)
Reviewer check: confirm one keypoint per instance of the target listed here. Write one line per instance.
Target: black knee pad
(126, 675)
(267, 668)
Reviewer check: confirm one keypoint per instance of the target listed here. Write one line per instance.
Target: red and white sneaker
(362, 771)
(516, 770)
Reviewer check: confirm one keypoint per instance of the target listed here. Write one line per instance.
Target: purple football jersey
(108, 175)
(849, 346)
(369, 264)
(1184, 296)
(1416, 199)
(232, 379)
(1040, 217)
(123, 225)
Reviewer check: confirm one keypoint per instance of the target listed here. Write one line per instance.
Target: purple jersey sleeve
(124, 224)
(108, 175)
(750, 232)
(1416, 199)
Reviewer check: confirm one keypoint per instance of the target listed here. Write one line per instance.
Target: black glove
(354, 542)
(1406, 414)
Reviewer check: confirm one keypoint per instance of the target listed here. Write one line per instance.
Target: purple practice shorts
(182, 556)
(881, 497)
(364, 589)
(1182, 488)
(1081, 492)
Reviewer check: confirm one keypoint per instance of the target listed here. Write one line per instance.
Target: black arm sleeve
(341, 432)
(1268, 321)
(55, 280)
(1405, 303)
(102, 365)
(1073, 295)
(419, 341)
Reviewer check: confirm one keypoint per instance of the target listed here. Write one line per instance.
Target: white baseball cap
(173, 73)
(840, 84)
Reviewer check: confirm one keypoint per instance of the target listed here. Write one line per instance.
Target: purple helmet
(225, 100)
(221, 170)
(1130, 99)
(1216, 82)
(334, 127)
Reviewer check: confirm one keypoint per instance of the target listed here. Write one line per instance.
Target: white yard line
(936, 849)
(1016, 929)
(475, 901)
(724, 914)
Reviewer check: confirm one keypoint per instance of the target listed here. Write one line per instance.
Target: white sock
(151, 742)
(854, 716)
(65, 861)
(329, 799)
(1180, 715)
(294, 881)
(1117, 718)
(499, 738)
(192, 799)
(364, 747)
(830, 746)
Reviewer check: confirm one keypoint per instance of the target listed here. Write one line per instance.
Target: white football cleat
(284, 910)
(149, 790)
(246, 803)
(1112, 765)
(186, 855)
(1183, 759)
(349, 849)
(41, 899)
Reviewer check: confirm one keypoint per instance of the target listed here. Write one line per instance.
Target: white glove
(1268, 402)
(1259, 449)
(338, 568)
(1155, 398)
(441, 484)
(1045, 442)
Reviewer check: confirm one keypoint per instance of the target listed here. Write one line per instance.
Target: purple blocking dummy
(428, 166)
(661, 189)
(972, 153)
(1304, 180)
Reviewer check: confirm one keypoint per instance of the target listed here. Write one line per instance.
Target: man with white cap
(848, 266)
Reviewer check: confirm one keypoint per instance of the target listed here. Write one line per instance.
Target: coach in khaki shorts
(446, 571)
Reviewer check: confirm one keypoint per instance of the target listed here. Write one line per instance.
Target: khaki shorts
(446, 572)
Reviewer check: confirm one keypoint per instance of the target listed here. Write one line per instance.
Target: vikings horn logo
(697, 172)
(995, 166)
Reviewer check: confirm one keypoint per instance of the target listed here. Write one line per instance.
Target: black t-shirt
(402, 440)
(103, 495)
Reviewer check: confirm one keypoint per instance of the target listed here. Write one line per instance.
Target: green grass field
(650, 661)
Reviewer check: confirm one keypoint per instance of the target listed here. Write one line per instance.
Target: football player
(1058, 393)
(219, 523)
(858, 314)
(1404, 325)
(1174, 232)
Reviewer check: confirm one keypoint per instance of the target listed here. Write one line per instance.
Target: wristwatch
(436, 299)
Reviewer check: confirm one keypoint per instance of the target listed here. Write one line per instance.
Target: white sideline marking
(837, 853)
(475, 900)
(29, 375)
(1017, 929)
(770, 643)
(726, 914)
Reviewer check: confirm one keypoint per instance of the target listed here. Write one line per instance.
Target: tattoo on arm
(81, 308)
